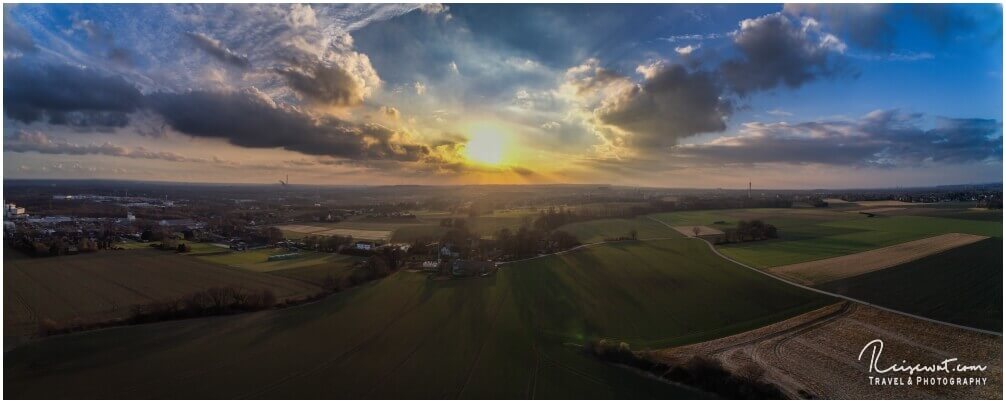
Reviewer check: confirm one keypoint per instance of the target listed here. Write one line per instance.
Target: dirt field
(886, 203)
(304, 229)
(878, 210)
(105, 285)
(357, 233)
(689, 230)
(824, 270)
(816, 354)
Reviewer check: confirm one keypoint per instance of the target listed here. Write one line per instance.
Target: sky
(708, 96)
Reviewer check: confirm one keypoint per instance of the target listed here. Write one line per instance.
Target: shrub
(701, 372)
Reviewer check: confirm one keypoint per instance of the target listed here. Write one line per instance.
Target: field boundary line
(587, 245)
(839, 296)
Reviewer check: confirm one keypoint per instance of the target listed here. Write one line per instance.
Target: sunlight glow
(486, 146)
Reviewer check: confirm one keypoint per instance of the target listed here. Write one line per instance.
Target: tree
(274, 234)
(771, 231)
(696, 231)
(633, 234)
(563, 240)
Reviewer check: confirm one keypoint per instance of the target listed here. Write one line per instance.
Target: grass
(599, 230)
(962, 285)
(105, 284)
(512, 335)
(316, 272)
(811, 234)
(307, 265)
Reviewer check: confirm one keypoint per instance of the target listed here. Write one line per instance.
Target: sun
(486, 147)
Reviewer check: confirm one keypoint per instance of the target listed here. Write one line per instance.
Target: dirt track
(816, 354)
(824, 270)
(689, 230)
(878, 210)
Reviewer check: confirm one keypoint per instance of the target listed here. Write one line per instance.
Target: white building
(12, 211)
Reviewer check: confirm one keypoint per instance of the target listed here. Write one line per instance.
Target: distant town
(110, 216)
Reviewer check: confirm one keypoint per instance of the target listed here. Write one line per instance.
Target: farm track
(532, 382)
(792, 332)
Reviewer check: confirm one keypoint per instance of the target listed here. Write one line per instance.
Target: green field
(962, 285)
(513, 335)
(105, 285)
(599, 230)
(811, 234)
(312, 267)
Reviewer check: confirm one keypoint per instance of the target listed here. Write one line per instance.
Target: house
(365, 245)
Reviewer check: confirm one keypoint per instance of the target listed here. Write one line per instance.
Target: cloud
(434, 8)
(216, 49)
(550, 126)
(901, 56)
(671, 103)
(67, 95)
(687, 50)
(391, 112)
(325, 84)
(876, 26)
(692, 37)
(775, 52)
(14, 36)
(590, 78)
(249, 118)
(38, 142)
(884, 138)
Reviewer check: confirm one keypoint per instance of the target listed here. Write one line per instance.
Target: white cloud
(687, 50)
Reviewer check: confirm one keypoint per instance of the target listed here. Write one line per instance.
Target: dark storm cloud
(216, 49)
(776, 51)
(876, 26)
(325, 84)
(671, 103)
(882, 138)
(250, 119)
(67, 95)
(15, 37)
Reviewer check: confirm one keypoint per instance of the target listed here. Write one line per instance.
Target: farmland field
(426, 225)
(104, 285)
(312, 267)
(807, 354)
(811, 234)
(599, 230)
(962, 286)
(513, 335)
(836, 268)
